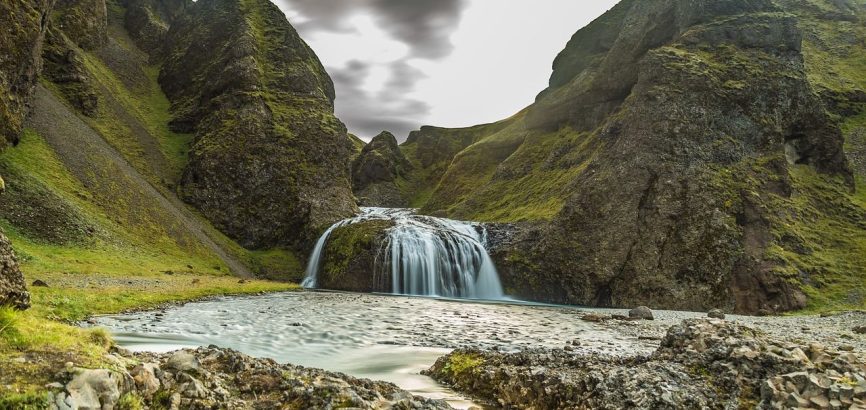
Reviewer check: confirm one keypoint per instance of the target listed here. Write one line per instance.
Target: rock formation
(13, 290)
(269, 165)
(376, 170)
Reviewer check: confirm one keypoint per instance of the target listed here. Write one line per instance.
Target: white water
(425, 256)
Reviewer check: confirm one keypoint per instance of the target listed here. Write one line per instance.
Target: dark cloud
(425, 26)
(367, 114)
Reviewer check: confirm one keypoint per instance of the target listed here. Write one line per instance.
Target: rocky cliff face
(20, 63)
(377, 169)
(269, 165)
(673, 161)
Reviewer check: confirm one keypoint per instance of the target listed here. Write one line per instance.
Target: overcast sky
(400, 64)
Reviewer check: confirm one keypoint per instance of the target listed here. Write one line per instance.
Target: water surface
(380, 337)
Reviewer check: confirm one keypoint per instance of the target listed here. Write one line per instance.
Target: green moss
(347, 242)
(461, 363)
(130, 401)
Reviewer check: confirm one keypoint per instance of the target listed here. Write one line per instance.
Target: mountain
(164, 136)
(686, 155)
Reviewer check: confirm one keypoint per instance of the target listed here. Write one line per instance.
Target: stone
(95, 389)
(641, 312)
(716, 314)
(860, 330)
(183, 361)
(145, 379)
(39, 284)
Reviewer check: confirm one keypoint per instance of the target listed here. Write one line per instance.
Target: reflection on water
(372, 336)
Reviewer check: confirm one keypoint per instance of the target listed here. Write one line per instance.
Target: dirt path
(116, 184)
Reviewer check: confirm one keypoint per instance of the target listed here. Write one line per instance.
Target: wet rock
(641, 312)
(716, 314)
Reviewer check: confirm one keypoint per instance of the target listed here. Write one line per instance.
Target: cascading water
(425, 256)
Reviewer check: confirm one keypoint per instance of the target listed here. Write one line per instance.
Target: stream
(381, 337)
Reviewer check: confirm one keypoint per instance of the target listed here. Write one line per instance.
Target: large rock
(376, 170)
(270, 162)
(24, 28)
(13, 291)
(351, 260)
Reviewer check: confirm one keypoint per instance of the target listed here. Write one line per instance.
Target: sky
(400, 64)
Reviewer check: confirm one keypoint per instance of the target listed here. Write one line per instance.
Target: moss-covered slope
(686, 155)
(270, 162)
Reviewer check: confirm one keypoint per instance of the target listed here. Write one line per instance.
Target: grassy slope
(831, 220)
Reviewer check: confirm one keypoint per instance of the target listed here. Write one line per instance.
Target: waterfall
(425, 256)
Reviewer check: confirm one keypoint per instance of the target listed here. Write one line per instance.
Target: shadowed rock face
(85, 22)
(269, 165)
(20, 62)
(376, 170)
(147, 22)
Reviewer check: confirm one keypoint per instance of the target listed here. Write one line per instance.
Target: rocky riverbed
(514, 354)
(214, 378)
(699, 364)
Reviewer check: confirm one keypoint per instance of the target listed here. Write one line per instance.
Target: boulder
(716, 314)
(96, 389)
(641, 312)
(183, 361)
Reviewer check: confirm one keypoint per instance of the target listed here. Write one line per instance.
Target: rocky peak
(376, 170)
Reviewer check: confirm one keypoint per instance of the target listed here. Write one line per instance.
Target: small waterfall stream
(425, 256)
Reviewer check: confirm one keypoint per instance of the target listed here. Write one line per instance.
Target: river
(380, 337)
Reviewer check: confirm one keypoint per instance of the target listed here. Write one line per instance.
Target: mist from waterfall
(424, 256)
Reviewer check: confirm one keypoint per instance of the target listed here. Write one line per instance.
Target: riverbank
(38, 343)
(700, 363)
